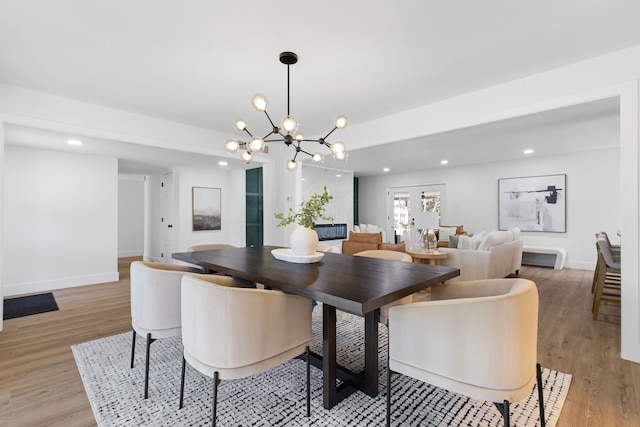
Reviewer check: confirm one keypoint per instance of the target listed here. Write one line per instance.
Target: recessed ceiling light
(223, 163)
(444, 162)
(386, 170)
(74, 142)
(528, 151)
(338, 176)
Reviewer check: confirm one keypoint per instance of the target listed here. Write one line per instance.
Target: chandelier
(287, 132)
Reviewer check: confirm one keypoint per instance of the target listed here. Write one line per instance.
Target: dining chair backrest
(606, 250)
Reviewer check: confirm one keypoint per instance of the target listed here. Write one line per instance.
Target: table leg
(371, 320)
(329, 355)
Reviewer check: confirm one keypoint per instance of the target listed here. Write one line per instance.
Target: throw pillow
(453, 241)
(445, 232)
(373, 228)
(464, 242)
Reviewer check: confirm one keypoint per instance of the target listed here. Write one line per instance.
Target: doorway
(413, 208)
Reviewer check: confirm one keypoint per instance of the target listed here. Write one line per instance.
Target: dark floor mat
(31, 304)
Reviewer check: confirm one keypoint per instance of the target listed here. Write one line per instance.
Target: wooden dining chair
(608, 279)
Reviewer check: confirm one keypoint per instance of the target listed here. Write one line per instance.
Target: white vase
(304, 241)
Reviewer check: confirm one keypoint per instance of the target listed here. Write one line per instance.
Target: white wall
(593, 198)
(60, 220)
(232, 186)
(1, 220)
(130, 216)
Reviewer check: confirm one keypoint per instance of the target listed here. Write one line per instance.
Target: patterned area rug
(277, 397)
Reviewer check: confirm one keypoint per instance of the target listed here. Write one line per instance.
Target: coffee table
(432, 258)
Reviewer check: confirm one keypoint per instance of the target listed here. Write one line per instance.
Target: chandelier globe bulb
(341, 121)
(231, 145)
(299, 137)
(255, 145)
(317, 157)
(240, 124)
(338, 147)
(341, 156)
(292, 165)
(259, 102)
(289, 124)
(246, 157)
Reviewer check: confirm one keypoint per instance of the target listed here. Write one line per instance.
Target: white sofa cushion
(495, 238)
(464, 242)
(475, 240)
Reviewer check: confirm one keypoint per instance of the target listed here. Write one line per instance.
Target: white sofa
(492, 255)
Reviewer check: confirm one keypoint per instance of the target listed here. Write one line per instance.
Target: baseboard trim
(129, 254)
(13, 289)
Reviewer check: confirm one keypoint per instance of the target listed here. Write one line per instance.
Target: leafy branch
(309, 212)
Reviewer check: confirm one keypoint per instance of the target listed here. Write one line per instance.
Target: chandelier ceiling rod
(288, 129)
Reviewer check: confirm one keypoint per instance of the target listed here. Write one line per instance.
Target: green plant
(309, 212)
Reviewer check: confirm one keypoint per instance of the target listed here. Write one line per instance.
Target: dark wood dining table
(357, 285)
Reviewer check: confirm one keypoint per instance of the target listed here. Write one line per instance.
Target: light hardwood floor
(40, 384)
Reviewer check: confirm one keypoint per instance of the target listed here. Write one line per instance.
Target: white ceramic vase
(304, 241)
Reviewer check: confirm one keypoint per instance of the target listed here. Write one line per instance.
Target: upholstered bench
(544, 256)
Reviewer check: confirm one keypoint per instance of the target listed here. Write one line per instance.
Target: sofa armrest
(473, 265)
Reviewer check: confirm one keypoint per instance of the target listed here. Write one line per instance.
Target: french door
(412, 208)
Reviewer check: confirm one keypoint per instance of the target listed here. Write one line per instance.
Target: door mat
(28, 305)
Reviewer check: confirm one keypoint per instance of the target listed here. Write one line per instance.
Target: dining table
(357, 285)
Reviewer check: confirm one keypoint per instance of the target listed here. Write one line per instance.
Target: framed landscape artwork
(206, 209)
(534, 203)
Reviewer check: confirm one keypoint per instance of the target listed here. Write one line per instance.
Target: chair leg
(540, 395)
(146, 367)
(308, 382)
(214, 404)
(133, 347)
(504, 410)
(388, 395)
(184, 365)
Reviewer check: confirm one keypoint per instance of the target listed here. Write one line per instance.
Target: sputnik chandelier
(287, 132)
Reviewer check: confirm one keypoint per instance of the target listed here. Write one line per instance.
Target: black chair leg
(184, 365)
(214, 408)
(506, 415)
(133, 348)
(146, 367)
(308, 382)
(504, 410)
(540, 395)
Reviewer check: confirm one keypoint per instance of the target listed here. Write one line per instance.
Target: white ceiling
(199, 62)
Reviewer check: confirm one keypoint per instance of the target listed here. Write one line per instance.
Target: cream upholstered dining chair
(230, 333)
(392, 256)
(482, 341)
(155, 305)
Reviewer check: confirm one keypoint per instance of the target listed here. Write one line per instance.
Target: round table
(432, 258)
